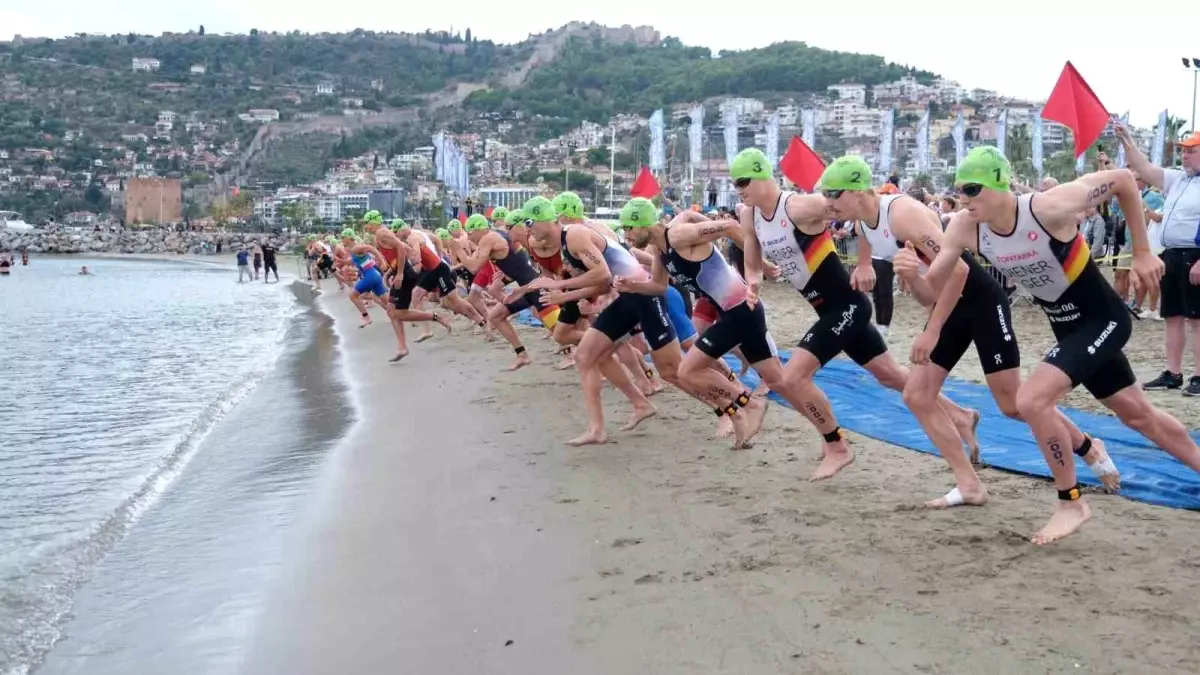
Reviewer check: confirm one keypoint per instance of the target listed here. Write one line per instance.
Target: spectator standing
(269, 264)
(243, 265)
(1180, 286)
(257, 260)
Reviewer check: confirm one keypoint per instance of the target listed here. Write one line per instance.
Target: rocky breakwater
(156, 241)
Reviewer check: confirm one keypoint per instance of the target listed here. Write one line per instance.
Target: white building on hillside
(508, 196)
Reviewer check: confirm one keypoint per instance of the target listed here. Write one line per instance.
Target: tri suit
(1088, 318)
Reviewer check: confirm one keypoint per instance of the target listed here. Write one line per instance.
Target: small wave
(43, 602)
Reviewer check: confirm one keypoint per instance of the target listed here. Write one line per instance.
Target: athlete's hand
(1148, 270)
(1122, 133)
(905, 263)
(554, 297)
(1194, 274)
(622, 285)
(770, 271)
(862, 278)
(752, 288)
(538, 284)
(922, 347)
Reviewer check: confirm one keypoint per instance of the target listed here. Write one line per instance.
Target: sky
(1001, 47)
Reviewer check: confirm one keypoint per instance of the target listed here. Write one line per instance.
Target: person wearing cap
(386, 241)
(403, 283)
(1180, 286)
(685, 249)
(366, 259)
(436, 279)
(545, 248)
(792, 230)
(898, 228)
(1034, 240)
(498, 247)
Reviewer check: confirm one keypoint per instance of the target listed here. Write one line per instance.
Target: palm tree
(1174, 131)
(1019, 149)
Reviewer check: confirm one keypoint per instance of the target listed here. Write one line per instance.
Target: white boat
(11, 220)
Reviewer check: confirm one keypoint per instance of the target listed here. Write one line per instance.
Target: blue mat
(865, 407)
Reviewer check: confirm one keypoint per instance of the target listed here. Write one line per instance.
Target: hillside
(591, 80)
(77, 114)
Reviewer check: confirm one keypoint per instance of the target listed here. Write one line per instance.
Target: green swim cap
(499, 214)
(515, 217)
(750, 163)
(398, 224)
(986, 166)
(849, 172)
(568, 205)
(639, 212)
(373, 217)
(539, 210)
(312, 237)
(615, 226)
(454, 226)
(442, 233)
(348, 233)
(477, 222)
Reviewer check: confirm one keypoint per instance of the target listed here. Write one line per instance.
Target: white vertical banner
(808, 121)
(658, 153)
(886, 138)
(725, 196)
(1121, 146)
(1002, 131)
(1081, 164)
(1038, 147)
(696, 136)
(923, 143)
(731, 134)
(465, 181)
(1160, 139)
(772, 149)
(959, 133)
(439, 155)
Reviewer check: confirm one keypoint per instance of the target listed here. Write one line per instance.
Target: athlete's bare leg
(1036, 402)
(357, 300)
(594, 362)
(475, 296)
(498, 317)
(797, 380)
(894, 376)
(642, 376)
(694, 374)
(418, 303)
(920, 395)
(1004, 386)
(457, 304)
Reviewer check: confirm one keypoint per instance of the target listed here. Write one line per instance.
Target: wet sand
(454, 520)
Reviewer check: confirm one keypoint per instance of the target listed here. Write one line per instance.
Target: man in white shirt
(1180, 287)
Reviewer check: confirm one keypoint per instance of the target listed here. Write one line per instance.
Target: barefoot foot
(967, 428)
(523, 360)
(836, 457)
(398, 356)
(423, 337)
(724, 426)
(1102, 465)
(956, 497)
(638, 415)
(567, 362)
(1067, 519)
(755, 412)
(445, 323)
(589, 437)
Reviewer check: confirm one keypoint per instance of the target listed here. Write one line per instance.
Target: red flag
(645, 185)
(801, 165)
(462, 216)
(1075, 106)
(488, 214)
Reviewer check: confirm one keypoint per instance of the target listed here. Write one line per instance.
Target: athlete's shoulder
(801, 208)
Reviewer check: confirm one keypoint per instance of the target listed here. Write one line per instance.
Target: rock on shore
(64, 240)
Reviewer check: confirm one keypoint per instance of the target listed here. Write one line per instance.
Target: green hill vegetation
(592, 80)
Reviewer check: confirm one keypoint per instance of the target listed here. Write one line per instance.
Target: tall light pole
(1194, 65)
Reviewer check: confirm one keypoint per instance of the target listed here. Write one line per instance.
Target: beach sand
(453, 520)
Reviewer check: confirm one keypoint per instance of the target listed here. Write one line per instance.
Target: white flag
(1160, 138)
(1002, 131)
(439, 155)
(1081, 164)
(923, 143)
(658, 153)
(773, 140)
(731, 134)
(808, 120)
(886, 137)
(1038, 147)
(696, 136)
(1121, 146)
(959, 133)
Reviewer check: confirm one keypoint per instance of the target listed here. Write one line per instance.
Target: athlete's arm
(689, 233)
(805, 210)
(581, 242)
(863, 277)
(655, 285)
(1154, 175)
(644, 259)
(579, 294)
(752, 256)
(482, 252)
(960, 236)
